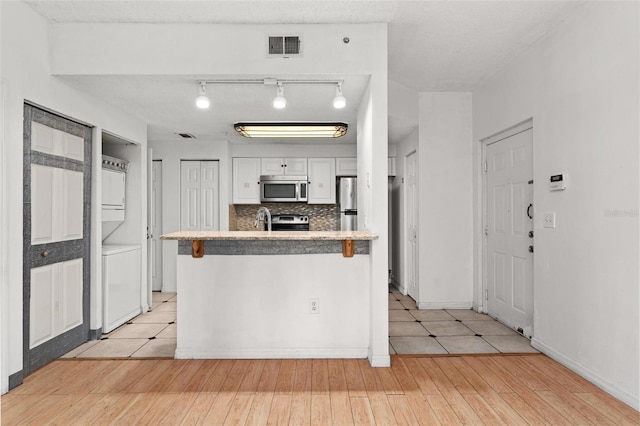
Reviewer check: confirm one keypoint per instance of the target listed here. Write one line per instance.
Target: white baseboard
(581, 370)
(380, 361)
(445, 305)
(169, 289)
(284, 353)
(478, 308)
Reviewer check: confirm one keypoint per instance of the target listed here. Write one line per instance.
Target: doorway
(57, 232)
(411, 220)
(509, 227)
(156, 225)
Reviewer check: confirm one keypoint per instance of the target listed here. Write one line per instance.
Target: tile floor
(453, 331)
(411, 331)
(150, 335)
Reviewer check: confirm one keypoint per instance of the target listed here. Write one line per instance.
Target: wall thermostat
(557, 183)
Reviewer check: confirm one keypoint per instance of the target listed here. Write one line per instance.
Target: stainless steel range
(289, 222)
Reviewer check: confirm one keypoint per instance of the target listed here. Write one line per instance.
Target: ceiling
(433, 46)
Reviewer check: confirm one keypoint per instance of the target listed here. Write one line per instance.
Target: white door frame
(405, 187)
(496, 137)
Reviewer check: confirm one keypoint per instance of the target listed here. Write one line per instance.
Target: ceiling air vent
(186, 135)
(284, 45)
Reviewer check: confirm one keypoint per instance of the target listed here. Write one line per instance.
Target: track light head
(279, 101)
(202, 101)
(339, 101)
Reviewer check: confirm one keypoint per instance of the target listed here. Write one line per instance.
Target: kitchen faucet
(261, 216)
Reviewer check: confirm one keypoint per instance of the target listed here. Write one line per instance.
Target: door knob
(530, 249)
(530, 234)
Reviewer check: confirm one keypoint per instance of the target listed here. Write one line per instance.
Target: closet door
(199, 196)
(189, 195)
(209, 196)
(56, 257)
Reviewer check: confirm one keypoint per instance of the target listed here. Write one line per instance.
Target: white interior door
(209, 196)
(56, 224)
(156, 225)
(199, 198)
(190, 195)
(411, 208)
(509, 223)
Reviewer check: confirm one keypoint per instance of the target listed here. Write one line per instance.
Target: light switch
(549, 220)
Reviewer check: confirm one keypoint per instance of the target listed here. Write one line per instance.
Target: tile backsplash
(322, 217)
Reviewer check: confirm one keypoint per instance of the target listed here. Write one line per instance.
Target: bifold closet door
(199, 196)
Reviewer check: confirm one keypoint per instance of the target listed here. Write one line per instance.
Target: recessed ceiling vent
(284, 45)
(186, 135)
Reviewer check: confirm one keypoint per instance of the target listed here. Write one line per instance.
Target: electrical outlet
(314, 306)
(549, 220)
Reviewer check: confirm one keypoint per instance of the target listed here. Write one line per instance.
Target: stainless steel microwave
(283, 189)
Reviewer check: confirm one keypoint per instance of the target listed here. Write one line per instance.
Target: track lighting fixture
(339, 101)
(202, 101)
(279, 101)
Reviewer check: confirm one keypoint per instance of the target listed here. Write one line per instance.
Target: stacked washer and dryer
(120, 262)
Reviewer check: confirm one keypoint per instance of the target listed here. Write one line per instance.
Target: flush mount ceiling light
(291, 129)
(339, 101)
(279, 101)
(202, 101)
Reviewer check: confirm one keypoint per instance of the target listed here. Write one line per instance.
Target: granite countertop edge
(273, 235)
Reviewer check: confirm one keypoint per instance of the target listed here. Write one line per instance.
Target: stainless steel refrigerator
(348, 196)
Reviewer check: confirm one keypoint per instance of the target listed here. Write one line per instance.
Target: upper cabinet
(246, 180)
(347, 166)
(284, 166)
(322, 181)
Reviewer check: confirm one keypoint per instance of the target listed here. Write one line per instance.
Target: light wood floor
(502, 389)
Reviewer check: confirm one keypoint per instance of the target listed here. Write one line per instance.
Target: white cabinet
(322, 181)
(199, 196)
(284, 166)
(113, 188)
(246, 180)
(347, 166)
(56, 142)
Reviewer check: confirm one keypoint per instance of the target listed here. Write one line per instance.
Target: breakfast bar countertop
(271, 235)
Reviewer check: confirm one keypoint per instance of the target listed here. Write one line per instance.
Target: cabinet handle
(45, 253)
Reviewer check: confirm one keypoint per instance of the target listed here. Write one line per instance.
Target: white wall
(403, 149)
(580, 85)
(171, 153)
(445, 201)
(26, 76)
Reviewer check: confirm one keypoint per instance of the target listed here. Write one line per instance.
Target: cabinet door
(272, 166)
(246, 177)
(322, 181)
(295, 166)
(347, 166)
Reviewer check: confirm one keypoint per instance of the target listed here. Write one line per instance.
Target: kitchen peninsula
(261, 294)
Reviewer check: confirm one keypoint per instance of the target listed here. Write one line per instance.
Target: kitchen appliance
(287, 189)
(348, 197)
(289, 222)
